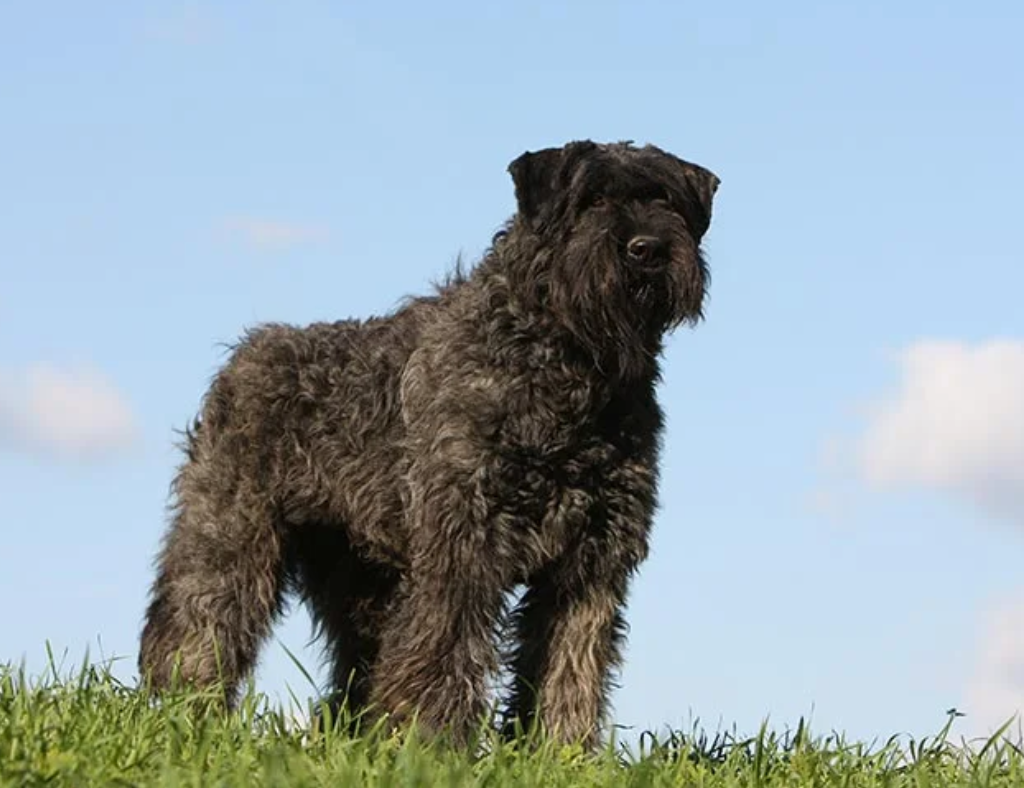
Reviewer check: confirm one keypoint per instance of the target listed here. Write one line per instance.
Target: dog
(404, 474)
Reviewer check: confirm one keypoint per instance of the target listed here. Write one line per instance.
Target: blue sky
(842, 522)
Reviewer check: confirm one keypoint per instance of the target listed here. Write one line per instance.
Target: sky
(841, 529)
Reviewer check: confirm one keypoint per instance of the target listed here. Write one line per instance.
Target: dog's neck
(532, 335)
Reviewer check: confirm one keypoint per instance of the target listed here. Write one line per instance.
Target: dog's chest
(544, 495)
(558, 445)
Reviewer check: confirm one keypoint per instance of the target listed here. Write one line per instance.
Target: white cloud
(74, 413)
(266, 234)
(955, 423)
(995, 692)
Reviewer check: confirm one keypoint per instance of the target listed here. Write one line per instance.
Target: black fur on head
(615, 255)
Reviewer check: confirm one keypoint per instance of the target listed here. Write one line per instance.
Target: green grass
(87, 728)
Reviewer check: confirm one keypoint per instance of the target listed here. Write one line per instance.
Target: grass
(87, 728)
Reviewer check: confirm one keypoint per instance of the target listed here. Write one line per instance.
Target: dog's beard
(617, 312)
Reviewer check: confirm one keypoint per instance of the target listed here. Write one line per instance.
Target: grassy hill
(89, 729)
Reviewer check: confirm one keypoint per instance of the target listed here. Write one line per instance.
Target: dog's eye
(597, 201)
(662, 199)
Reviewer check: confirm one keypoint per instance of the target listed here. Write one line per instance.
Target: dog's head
(618, 231)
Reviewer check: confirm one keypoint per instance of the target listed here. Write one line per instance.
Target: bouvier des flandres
(404, 474)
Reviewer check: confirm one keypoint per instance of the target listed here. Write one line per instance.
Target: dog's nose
(645, 248)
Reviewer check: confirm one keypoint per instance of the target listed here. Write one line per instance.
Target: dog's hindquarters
(271, 453)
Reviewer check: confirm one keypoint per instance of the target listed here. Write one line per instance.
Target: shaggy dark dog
(403, 474)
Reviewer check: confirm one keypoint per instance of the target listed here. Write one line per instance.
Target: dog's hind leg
(348, 599)
(219, 585)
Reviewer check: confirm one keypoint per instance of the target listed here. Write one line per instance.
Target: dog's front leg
(439, 648)
(569, 623)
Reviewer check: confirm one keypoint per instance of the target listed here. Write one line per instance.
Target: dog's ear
(539, 175)
(703, 183)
